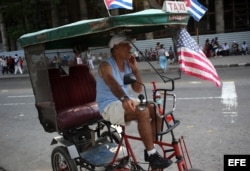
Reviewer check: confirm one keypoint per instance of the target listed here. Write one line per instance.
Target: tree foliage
(23, 16)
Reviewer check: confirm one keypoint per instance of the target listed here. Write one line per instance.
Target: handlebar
(160, 96)
(159, 101)
(168, 80)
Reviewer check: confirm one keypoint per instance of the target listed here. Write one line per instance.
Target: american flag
(113, 4)
(195, 9)
(193, 61)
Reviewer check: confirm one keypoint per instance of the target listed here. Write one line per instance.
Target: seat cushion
(74, 97)
(78, 115)
(62, 92)
(85, 81)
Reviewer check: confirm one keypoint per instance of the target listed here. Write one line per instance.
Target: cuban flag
(113, 4)
(195, 9)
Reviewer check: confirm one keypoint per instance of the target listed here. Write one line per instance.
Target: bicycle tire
(60, 160)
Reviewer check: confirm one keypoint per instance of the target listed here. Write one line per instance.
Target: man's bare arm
(105, 71)
(133, 64)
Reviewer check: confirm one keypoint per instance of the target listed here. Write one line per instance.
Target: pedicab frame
(79, 36)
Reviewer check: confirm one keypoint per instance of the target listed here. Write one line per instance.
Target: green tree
(20, 17)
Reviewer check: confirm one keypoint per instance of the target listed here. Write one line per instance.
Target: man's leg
(92, 64)
(20, 70)
(144, 126)
(115, 114)
(15, 69)
(156, 122)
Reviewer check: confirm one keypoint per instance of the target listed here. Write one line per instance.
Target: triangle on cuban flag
(188, 3)
(108, 2)
(114, 4)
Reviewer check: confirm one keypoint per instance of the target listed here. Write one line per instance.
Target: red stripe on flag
(191, 59)
(198, 65)
(190, 54)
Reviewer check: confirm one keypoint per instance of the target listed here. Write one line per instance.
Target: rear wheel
(61, 161)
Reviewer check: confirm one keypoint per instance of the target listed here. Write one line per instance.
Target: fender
(70, 146)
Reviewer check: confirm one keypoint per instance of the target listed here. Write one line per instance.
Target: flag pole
(109, 13)
(197, 33)
(107, 8)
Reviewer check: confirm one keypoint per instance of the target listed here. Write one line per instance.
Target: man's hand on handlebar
(129, 105)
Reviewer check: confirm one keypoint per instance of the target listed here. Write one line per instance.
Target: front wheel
(61, 161)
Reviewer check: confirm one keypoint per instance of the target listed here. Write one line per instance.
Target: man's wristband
(123, 98)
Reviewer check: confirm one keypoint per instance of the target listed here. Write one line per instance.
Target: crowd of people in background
(88, 58)
(79, 57)
(12, 64)
(159, 53)
(214, 49)
(152, 54)
(91, 58)
(16, 64)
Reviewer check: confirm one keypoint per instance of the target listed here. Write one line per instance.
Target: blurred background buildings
(18, 17)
